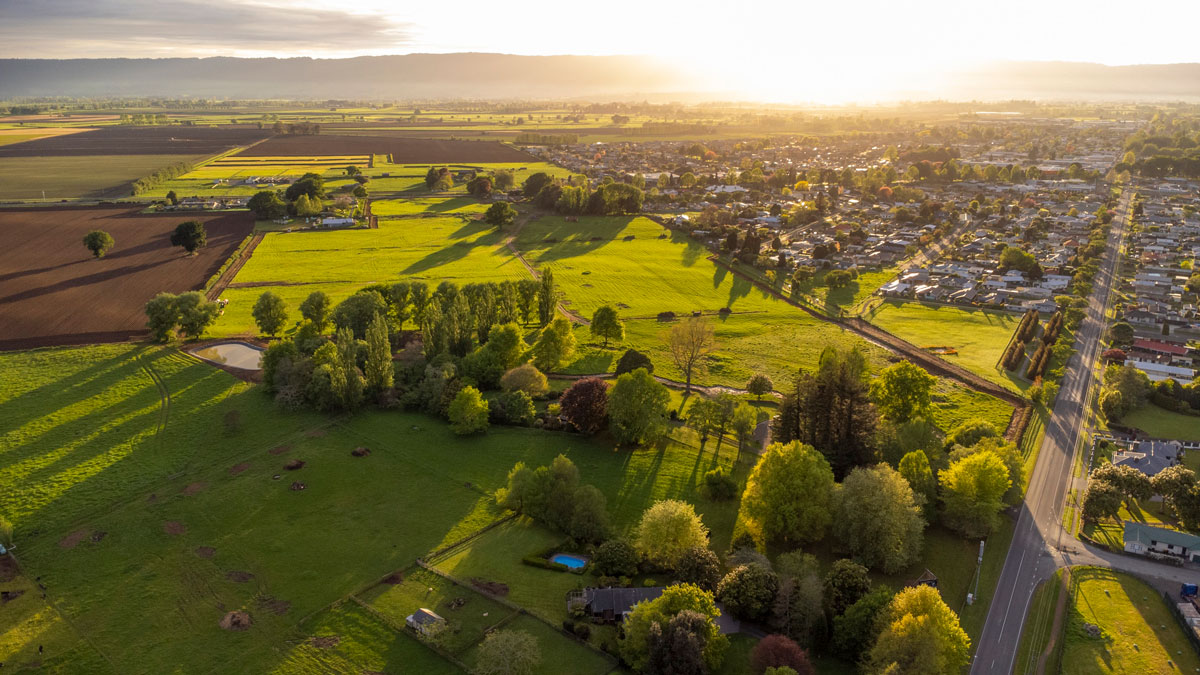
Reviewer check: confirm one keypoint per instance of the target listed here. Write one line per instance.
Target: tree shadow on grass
(561, 239)
(454, 252)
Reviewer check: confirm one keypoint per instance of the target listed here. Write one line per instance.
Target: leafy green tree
(789, 494)
(878, 520)
(315, 308)
(635, 646)
(535, 182)
(668, 530)
(616, 558)
(1008, 453)
(358, 311)
(973, 493)
(307, 207)
(637, 408)
(970, 432)
(526, 378)
(267, 205)
(98, 242)
(468, 412)
(310, 185)
(516, 406)
(162, 315)
(760, 385)
(191, 235)
(500, 215)
(606, 325)
(589, 516)
(631, 360)
(547, 297)
(270, 313)
(920, 634)
(903, 391)
(798, 611)
(195, 313)
(1101, 499)
(745, 419)
(379, 372)
(702, 417)
(915, 468)
(855, 629)
(554, 345)
(846, 582)
(699, 566)
(748, 591)
(507, 652)
(678, 646)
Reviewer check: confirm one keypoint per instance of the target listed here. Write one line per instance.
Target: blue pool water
(572, 561)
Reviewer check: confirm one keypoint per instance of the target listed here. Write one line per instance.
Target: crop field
(134, 505)
(1138, 633)
(71, 177)
(130, 140)
(979, 336)
(8, 136)
(55, 292)
(403, 150)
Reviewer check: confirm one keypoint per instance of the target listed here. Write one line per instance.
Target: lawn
(91, 177)
(979, 336)
(1039, 627)
(1161, 423)
(1138, 633)
(557, 651)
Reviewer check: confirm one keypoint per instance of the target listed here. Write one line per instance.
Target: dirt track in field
(52, 292)
(403, 150)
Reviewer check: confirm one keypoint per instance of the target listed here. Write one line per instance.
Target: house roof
(618, 600)
(425, 616)
(1148, 533)
(1156, 346)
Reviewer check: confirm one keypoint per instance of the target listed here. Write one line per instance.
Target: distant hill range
(496, 76)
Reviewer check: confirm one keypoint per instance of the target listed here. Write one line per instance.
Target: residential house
(1159, 542)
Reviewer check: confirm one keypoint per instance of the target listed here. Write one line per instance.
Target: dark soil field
(126, 140)
(52, 292)
(405, 150)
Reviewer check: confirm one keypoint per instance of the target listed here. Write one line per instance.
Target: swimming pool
(233, 354)
(572, 561)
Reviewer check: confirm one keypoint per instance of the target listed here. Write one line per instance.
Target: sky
(752, 45)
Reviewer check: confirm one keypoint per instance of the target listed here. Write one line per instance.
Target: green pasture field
(1138, 633)
(25, 178)
(979, 336)
(558, 652)
(1162, 423)
(364, 643)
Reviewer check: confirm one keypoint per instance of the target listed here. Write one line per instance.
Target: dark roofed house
(1149, 457)
(612, 605)
(423, 620)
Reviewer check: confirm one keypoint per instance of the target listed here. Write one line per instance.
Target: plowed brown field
(405, 150)
(53, 292)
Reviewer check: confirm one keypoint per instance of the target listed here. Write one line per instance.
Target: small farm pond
(232, 354)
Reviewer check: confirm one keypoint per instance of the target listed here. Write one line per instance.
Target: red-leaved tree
(774, 651)
(585, 404)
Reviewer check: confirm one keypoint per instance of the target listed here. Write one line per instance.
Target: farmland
(55, 292)
(68, 177)
(127, 140)
(403, 150)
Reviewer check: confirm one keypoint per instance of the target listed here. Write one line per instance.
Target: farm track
(510, 242)
(909, 351)
(231, 271)
(164, 395)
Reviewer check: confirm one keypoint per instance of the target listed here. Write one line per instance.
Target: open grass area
(88, 177)
(1110, 533)
(1038, 629)
(559, 653)
(1138, 633)
(979, 336)
(1161, 423)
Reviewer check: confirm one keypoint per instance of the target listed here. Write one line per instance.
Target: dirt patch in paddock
(238, 468)
(98, 536)
(174, 527)
(316, 433)
(294, 465)
(205, 551)
(238, 576)
(236, 621)
(325, 641)
(493, 587)
(279, 449)
(6, 596)
(274, 605)
(194, 488)
(360, 452)
(72, 540)
(395, 578)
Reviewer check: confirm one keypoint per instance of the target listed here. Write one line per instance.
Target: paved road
(1040, 544)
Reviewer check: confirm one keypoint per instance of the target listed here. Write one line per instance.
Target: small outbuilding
(423, 620)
